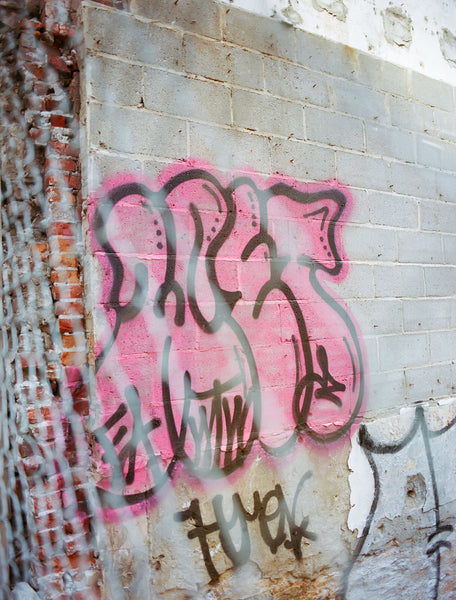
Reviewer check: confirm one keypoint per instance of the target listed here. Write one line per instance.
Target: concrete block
(140, 41)
(267, 114)
(296, 83)
(229, 149)
(221, 62)
(191, 15)
(449, 249)
(432, 92)
(359, 100)
(370, 244)
(152, 167)
(321, 54)
(426, 314)
(419, 247)
(360, 207)
(302, 160)
(259, 33)
(442, 345)
(409, 115)
(376, 317)
(334, 129)
(113, 81)
(359, 282)
(371, 353)
(363, 171)
(386, 390)
(405, 350)
(392, 210)
(438, 216)
(382, 75)
(103, 165)
(444, 124)
(431, 152)
(186, 97)
(428, 382)
(440, 281)
(413, 181)
(446, 186)
(390, 141)
(398, 281)
(136, 131)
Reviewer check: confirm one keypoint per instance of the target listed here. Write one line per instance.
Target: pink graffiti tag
(215, 332)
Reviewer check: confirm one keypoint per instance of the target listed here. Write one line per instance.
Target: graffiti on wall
(409, 451)
(277, 526)
(217, 334)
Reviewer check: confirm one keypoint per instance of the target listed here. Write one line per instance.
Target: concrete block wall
(172, 86)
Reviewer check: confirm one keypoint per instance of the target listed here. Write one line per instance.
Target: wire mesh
(46, 544)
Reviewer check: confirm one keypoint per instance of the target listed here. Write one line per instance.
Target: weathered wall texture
(417, 35)
(272, 231)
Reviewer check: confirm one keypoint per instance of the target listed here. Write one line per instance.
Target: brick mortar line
(170, 27)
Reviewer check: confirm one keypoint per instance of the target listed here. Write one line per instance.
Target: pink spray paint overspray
(219, 337)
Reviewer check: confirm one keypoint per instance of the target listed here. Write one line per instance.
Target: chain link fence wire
(47, 547)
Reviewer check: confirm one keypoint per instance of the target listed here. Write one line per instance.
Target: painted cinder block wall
(197, 109)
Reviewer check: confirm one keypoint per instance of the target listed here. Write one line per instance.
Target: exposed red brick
(73, 358)
(67, 276)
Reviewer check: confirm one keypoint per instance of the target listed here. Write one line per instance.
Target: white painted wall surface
(361, 24)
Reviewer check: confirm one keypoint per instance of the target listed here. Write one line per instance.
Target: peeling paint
(448, 46)
(397, 26)
(336, 8)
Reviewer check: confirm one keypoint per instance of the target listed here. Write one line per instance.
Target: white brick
(267, 114)
(427, 314)
(360, 207)
(363, 171)
(409, 115)
(221, 62)
(393, 210)
(260, 33)
(358, 100)
(192, 15)
(185, 97)
(383, 75)
(419, 247)
(334, 129)
(385, 391)
(377, 316)
(113, 81)
(302, 160)
(432, 92)
(428, 382)
(296, 83)
(143, 42)
(137, 131)
(413, 181)
(432, 152)
(370, 244)
(438, 216)
(359, 282)
(406, 350)
(440, 281)
(390, 141)
(442, 345)
(398, 281)
(229, 149)
(449, 248)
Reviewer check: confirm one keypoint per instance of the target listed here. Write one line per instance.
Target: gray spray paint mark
(397, 26)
